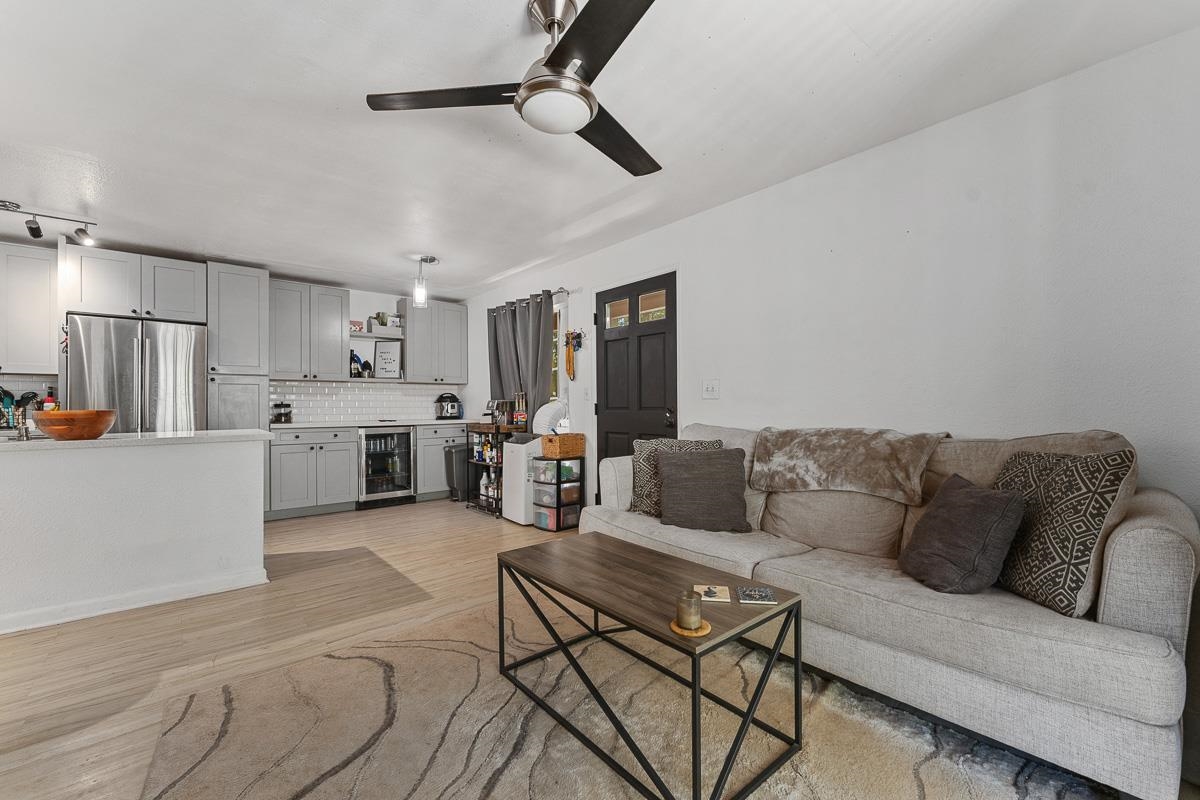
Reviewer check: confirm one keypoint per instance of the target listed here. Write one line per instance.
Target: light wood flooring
(80, 703)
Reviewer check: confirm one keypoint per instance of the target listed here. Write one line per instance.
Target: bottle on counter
(49, 403)
(484, 487)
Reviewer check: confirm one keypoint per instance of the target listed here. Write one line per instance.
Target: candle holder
(688, 621)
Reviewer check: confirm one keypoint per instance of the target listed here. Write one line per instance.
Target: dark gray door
(636, 371)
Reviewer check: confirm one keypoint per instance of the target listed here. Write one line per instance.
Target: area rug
(425, 714)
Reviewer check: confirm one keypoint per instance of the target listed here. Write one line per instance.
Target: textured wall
(327, 401)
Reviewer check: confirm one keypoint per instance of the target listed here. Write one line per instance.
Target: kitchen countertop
(41, 442)
(396, 423)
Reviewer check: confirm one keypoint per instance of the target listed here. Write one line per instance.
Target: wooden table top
(638, 586)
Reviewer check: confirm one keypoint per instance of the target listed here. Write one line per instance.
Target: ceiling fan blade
(596, 34)
(606, 135)
(497, 94)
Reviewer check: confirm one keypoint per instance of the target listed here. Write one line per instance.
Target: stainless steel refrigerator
(151, 373)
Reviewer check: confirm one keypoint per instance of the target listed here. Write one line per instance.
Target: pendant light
(420, 290)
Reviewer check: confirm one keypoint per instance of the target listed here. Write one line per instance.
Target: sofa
(1103, 696)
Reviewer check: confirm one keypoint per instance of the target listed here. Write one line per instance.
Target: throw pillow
(960, 542)
(704, 490)
(647, 488)
(1072, 503)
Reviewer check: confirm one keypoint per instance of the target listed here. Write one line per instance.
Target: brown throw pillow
(960, 542)
(647, 488)
(1072, 503)
(704, 490)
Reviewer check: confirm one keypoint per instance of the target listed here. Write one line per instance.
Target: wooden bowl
(67, 426)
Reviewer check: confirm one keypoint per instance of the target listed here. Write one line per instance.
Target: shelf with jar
(485, 465)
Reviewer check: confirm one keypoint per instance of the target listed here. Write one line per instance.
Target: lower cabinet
(314, 474)
(431, 464)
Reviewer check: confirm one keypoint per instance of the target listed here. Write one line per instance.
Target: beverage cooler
(387, 468)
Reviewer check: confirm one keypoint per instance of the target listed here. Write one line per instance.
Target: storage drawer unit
(556, 519)
(555, 495)
(558, 470)
(557, 492)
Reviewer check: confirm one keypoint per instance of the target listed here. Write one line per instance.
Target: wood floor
(80, 703)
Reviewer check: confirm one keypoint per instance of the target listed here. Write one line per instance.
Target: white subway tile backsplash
(329, 401)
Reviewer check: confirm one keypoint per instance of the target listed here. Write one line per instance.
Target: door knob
(670, 418)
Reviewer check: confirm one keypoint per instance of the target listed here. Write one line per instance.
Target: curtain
(520, 349)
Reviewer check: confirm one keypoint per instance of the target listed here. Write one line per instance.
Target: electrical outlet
(710, 389)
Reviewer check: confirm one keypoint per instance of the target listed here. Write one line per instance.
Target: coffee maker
(448, 406)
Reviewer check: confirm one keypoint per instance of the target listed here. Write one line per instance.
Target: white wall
(1031, 266)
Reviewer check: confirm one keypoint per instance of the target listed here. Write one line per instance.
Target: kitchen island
(127, 520)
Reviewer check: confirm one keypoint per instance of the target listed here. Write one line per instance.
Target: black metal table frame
(791, 614)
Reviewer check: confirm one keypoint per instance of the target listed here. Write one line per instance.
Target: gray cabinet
(337, 473)
(237, 402)
(310, 332)
(28, 331)
(329, 333)
(436, 342)
(431, 463)
(95, 281)
(238, 320)
(293, 476)
(174, 290)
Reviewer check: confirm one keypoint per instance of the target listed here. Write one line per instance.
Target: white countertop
(40, 442)
(394, 423)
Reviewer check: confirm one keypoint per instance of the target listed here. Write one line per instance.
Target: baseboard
(82, 609)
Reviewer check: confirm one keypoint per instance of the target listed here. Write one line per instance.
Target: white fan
(548, 416)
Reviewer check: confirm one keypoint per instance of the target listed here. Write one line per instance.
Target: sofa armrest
(616, 482)
(1150, 565)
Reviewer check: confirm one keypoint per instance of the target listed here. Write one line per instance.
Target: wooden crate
(563, 445)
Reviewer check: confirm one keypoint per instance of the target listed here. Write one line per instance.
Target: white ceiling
(237, 129)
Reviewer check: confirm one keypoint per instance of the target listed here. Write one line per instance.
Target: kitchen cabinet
(238, 320)
(431, 463)
(174, 290)
(96, 281)
(293, 476)
(436, 342)
(238, 402)
(337, 473)
(28, 331)
(310, 332)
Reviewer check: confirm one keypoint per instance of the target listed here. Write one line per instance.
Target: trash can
(456, 470)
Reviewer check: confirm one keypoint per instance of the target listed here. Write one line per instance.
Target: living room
(971, 225)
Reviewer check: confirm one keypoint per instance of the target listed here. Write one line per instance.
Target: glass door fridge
(387, 463)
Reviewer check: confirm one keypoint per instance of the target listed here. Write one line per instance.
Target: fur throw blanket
(883, 463)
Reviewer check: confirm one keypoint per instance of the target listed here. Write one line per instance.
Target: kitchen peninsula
(127, 520)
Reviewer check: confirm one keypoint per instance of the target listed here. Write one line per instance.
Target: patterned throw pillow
(647, 485)
(1072, 503)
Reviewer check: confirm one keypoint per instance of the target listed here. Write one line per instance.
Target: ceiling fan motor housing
(548, 13)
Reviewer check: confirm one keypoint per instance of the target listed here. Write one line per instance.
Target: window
(616, 314)
(652, 306)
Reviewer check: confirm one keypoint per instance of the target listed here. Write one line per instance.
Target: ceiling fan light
(556, 111)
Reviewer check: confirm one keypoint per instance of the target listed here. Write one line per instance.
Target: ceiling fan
(556, 94)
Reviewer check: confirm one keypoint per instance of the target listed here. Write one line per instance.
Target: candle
(687, 610)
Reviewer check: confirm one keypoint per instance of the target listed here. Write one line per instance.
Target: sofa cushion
(980, 460)
(704, 490)
(850, 521)
(960, 544)
(1072, 505)
(647, 485)
(735, 438)
(732, 552)
(994, 633)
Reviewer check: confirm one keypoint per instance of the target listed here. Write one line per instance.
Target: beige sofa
(1102, 696)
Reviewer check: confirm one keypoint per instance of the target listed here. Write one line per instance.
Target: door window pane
(616, 314)
(652, 306)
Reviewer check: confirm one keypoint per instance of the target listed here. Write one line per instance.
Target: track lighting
(33, 226)
(420, 290)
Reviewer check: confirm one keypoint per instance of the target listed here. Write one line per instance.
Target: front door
(635, 365)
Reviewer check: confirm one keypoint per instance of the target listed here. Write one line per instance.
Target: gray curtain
(520, 349)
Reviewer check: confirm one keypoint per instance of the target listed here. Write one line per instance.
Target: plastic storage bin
(556, 519)
(554, 495)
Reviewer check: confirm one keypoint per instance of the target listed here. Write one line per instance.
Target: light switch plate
(710, 389)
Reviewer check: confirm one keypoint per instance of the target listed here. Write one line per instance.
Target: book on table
(757, 595)
(713, 594)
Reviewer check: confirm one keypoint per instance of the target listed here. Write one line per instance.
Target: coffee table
(637, 587)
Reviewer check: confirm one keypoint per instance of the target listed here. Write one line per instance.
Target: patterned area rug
(425, 714)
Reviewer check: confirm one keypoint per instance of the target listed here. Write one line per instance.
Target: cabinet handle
(297, 436)
(305, 376)
(133, 311)
(310, 447)
(214, 380)
(335, 436)
(149, 313)
(314, 376)
(322, 447)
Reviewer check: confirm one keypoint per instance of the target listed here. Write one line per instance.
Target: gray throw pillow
(1072, 504)
(960, 542)
(704, 490)
(647, 488)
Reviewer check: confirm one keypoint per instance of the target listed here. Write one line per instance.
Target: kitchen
(177, 346)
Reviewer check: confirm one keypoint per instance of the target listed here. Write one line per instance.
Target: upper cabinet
(95, 281)
(28, 329)
(436, 342)
(238, 320)
(310, 332)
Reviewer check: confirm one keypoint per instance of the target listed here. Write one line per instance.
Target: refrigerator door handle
(139, 355)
